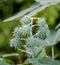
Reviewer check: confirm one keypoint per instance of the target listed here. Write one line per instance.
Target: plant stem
(52, 52)
(23, 51)
(35, 18)
(10, 55)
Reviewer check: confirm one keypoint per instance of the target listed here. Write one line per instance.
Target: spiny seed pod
(43, 29)
(21, 32)
(36, 51)
(32, 51)
(15, 43)
(42, 35)
(41, 21)
(43, 32)
(17, 32)
(32, 41)
(27, 31)
(25, 20)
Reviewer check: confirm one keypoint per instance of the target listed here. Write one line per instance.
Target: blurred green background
(11, 7)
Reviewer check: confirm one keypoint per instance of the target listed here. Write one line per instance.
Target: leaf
(42, 54)
(58, 26)
(31, 60)
(34, 12)
(57, 36)
(2, 62)
(34, 9)
(53, 38)
(47, 61)
(42, 61)
(43, 2)
(22, 13)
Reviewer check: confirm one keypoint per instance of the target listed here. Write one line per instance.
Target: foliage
(2, 62)
(42, 61)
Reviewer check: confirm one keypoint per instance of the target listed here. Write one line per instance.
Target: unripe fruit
(27, 31)
(43, 32)
(25, 20)
(21, 32)
(17, 32)
(41, 21)
(15, 43)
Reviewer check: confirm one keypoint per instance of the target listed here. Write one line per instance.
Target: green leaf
(57, 36)
(47, 61)
(22, 13)
(43, 2)
(42, 61)
(42, 54)
(34, 9)
(39, 9)
(53, 38)
(2, 62)
(58, 26)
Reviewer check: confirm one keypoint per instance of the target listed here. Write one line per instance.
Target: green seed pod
(41, 21)
(43, 32)
(17, 32)
(15, 43)
(25, 20)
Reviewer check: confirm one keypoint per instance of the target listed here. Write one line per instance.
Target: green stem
(35, 18)
(23, 51)
(52, 52)
(10, 55)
